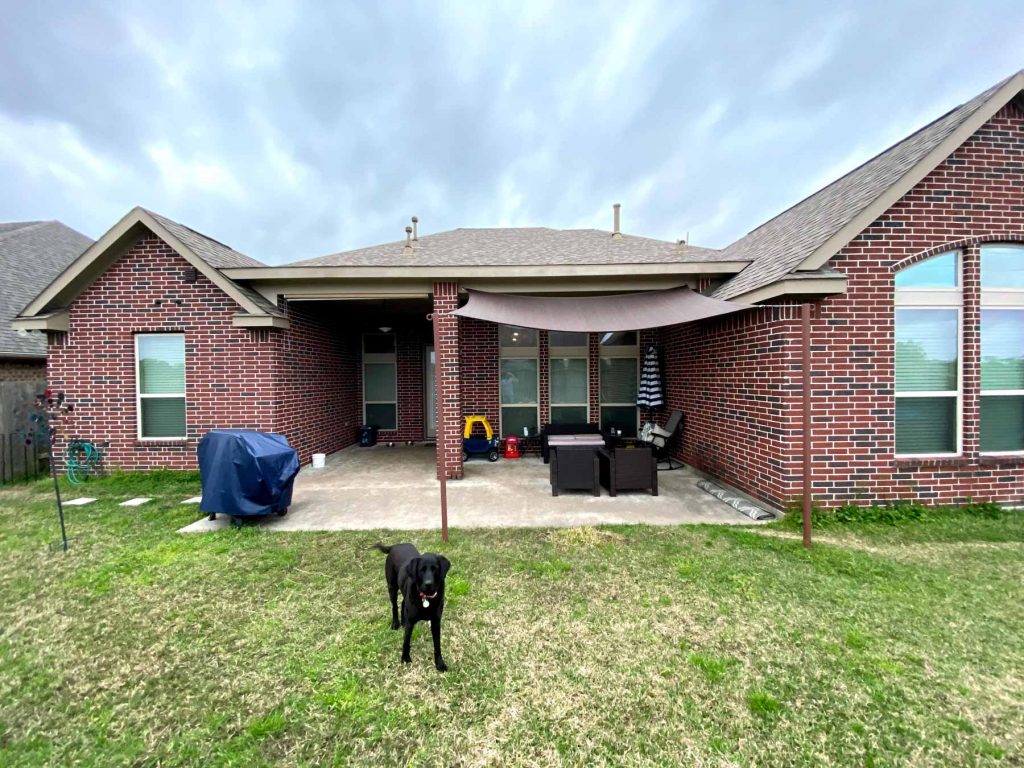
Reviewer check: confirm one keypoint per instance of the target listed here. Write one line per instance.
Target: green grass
(892, 642)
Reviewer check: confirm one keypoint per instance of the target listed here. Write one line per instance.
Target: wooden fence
(23, 453)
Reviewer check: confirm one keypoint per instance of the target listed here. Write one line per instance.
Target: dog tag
(426, 603)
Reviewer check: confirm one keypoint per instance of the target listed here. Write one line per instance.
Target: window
(619, 372)
(160, 381)
(569, 378)
(380, 381)
(1002, 349)
(518, 368)
(928, 357)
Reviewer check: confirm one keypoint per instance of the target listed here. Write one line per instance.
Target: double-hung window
(620, 375)
(380, 381)
(160, 381)
(518, 380)
(1002, 349)
(568, 377)
(928, 322)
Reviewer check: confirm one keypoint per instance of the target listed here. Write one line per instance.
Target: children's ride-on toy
(479, 446)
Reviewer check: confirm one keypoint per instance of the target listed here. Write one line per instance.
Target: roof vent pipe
(415, 221)
(615, 230)
(408, 239)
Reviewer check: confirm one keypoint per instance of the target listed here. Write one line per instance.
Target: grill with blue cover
(245, 473)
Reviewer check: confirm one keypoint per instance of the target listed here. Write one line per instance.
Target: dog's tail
(381, 547)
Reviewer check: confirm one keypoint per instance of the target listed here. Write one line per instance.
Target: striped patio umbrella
(649, 395)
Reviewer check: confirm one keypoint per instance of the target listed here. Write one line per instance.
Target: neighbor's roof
(523, 246)
(785, 243)
(32, 253)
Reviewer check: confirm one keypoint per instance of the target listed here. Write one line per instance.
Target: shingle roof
(780, 245)
(213, 252)
(32, 253)
(524, 246)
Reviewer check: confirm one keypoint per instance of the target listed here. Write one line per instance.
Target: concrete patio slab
(381, 487)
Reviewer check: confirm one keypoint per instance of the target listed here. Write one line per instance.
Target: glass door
(429, 394)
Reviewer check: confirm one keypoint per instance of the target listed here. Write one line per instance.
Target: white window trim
(163, 396)
(996, 392)
(568, 353)
(370, 358)
(958, 393)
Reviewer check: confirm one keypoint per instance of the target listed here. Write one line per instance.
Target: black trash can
(367, 435)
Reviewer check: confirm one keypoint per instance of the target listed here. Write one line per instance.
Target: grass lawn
(884, 645)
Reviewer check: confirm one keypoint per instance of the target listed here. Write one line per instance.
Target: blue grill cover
(246, 473)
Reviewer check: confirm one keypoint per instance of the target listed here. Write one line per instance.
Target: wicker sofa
(582, 434)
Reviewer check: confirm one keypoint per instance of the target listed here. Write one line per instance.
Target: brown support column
(805, 317)
(449, 397)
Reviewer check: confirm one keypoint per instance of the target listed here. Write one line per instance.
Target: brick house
(903, 282)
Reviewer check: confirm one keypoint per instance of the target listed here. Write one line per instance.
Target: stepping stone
(136, 502)
(78, 502)
(193, 500)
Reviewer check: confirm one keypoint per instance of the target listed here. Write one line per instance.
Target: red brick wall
(736, 380)
(478, 353)
(316, 377)
(449, 417)
(975, 195)
(228, 369)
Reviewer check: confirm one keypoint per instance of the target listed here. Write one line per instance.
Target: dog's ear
(445, 565)
(409, 571)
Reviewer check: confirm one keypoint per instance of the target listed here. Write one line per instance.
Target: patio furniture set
(582, 458)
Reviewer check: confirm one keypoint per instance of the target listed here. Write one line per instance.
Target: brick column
(449, 417)
(594, 364)
(971, 364)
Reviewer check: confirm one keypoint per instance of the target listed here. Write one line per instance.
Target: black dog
(420, 578)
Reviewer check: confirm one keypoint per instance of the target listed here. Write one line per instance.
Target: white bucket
(319, 459)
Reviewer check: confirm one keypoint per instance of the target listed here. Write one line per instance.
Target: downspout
(805, 316)
(442, 464)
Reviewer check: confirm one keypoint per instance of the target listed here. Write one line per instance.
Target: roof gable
(807, 235)
(207, 255)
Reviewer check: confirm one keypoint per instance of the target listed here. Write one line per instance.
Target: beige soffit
(66, 286)
(256, 274)
(795, 286)
(926, 165)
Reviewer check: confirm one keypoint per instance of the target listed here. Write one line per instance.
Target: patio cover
(617, 312)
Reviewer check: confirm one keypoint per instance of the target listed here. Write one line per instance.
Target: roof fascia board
(909, 180)
(255, 274)
(79, 268)
(824, 286)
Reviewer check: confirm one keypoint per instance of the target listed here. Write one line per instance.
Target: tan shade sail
(617, 312)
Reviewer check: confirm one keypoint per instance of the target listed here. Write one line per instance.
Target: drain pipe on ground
(805, 317)
(439, 426)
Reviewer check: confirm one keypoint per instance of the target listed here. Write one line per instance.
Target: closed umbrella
(649, 395)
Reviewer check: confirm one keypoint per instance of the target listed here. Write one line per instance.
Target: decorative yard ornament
(53, 411)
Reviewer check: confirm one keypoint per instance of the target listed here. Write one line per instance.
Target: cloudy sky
(291, 130)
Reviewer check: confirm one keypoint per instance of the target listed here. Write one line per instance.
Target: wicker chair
(628, 469)
(574, 468)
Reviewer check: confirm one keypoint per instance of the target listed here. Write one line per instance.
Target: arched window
(929, 298)
(1002, 349)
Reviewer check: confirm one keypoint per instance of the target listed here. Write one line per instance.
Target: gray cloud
(299, 129)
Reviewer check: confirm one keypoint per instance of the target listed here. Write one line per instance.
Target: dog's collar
(428, 597)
